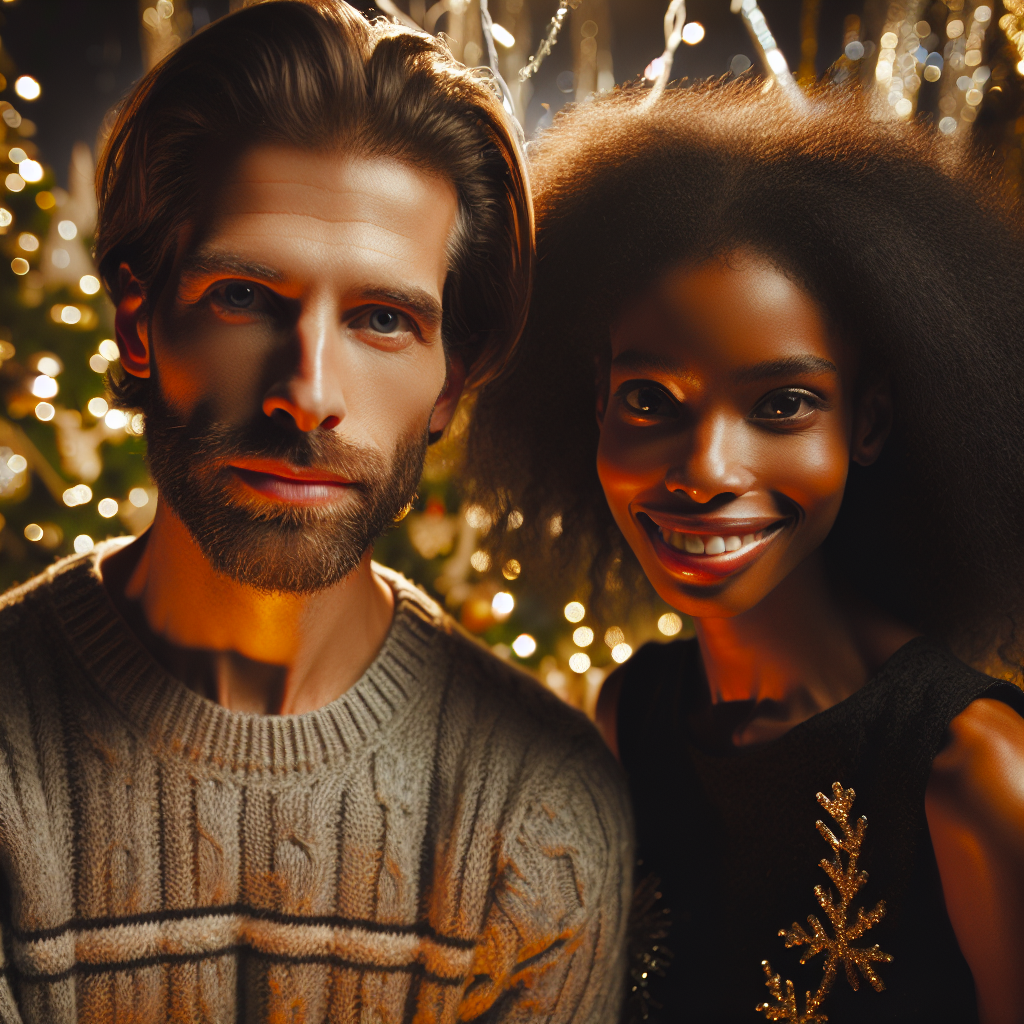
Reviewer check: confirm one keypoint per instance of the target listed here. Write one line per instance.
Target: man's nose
(711, 462)
(310, 396)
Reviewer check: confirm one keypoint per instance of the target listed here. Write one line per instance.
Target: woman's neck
(795, 654)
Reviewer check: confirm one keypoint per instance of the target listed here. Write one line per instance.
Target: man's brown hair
(316, 74)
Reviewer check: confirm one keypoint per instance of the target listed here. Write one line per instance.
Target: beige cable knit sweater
(444, 842)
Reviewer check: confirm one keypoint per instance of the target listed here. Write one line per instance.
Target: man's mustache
(265, 438)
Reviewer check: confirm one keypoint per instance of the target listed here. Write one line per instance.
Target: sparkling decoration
(673, 24)
(772, 57)
(574, 611)
(1012, 23)
(670, 624)
(524, 645)
(549, 40)
(583, 636)
(838, 949)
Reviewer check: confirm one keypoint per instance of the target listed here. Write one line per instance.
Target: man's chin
(271, 559)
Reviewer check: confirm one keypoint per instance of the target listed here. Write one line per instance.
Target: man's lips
(708, 548)
(299, 485)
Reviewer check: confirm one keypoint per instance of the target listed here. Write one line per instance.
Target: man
(245, 774)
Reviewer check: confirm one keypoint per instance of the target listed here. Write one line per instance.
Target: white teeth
(694, 545)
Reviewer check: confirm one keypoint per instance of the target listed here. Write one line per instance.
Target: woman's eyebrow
(783, 367)
(641, 362)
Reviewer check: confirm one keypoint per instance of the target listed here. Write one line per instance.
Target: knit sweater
(444, 842)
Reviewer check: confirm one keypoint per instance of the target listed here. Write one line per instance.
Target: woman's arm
(975, 809)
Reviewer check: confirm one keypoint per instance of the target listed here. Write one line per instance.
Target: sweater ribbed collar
(176, 720)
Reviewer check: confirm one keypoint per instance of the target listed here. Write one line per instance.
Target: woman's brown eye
(785, 405)
(648, 401)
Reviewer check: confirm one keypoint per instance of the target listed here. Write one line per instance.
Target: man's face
(297, 360)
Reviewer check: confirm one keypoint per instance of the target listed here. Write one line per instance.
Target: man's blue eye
(239, 295)
(384, 321)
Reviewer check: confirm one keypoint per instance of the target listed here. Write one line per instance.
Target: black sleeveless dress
(730, 835)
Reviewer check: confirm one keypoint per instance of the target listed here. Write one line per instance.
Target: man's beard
(268, 545)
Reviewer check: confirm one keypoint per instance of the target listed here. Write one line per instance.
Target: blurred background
(72, 470)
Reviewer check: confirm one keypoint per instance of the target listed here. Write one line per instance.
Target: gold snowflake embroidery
(838, 949)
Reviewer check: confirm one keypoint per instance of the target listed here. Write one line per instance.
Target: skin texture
(326, 241)
(692, 441)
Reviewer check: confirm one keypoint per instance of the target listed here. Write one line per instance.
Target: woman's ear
(872, 422)
(444, 407)
(131, 324)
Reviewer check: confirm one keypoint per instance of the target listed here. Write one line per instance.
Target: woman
(774, 362)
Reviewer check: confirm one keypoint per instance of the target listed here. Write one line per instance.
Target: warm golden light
(33, 532)
(583, 637)
(138, 496)
(107, 508)
(579, 663)
(89, 284)
(574, 611)
(511, 569)
(613, 636)
(45, 412)
(27, 87)
(97, 407)
(83, 544)
(670, 624)
(80, 494)
(620, 652)
(480, 560)
(31, 170)
(17, 463)
(524, 645)
(502, 604)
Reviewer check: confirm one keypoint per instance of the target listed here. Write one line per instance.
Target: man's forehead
(333, 185)
(285, 212)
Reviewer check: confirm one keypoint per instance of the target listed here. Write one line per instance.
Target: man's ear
(131, 324)
(444, 407)
(872, 422)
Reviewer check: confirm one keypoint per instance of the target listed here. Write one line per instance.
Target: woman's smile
(727, 432)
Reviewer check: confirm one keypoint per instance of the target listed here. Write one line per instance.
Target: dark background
(86, 54)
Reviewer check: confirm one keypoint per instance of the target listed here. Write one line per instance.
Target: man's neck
(796, 653)
(250, 651)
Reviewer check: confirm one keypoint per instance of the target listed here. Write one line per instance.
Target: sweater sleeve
(554, 942)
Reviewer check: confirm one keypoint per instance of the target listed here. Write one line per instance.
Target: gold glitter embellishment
(848, 881)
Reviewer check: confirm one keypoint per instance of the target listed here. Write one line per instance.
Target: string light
(574, 611)
(27, 87)
(45, 412)
(67, 229)
(97, 407)
(764, 42)
(549, 40)
(83, 544)
(670, 624)
(502, 604)
(620, 652)
(583, 636)
(480, 560)
(31, 170)
(20, 266)
(579, 663)
(524, 645)
(107, 508)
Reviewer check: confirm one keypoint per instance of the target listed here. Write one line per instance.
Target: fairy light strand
(768, 50)
(549, 40)
(675, 19)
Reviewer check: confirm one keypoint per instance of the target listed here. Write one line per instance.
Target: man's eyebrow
(210, 261)
(784, 367)
(416, 300)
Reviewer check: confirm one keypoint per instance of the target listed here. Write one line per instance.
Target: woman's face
(726, 436)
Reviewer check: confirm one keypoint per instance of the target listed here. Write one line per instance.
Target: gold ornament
(848, 881)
